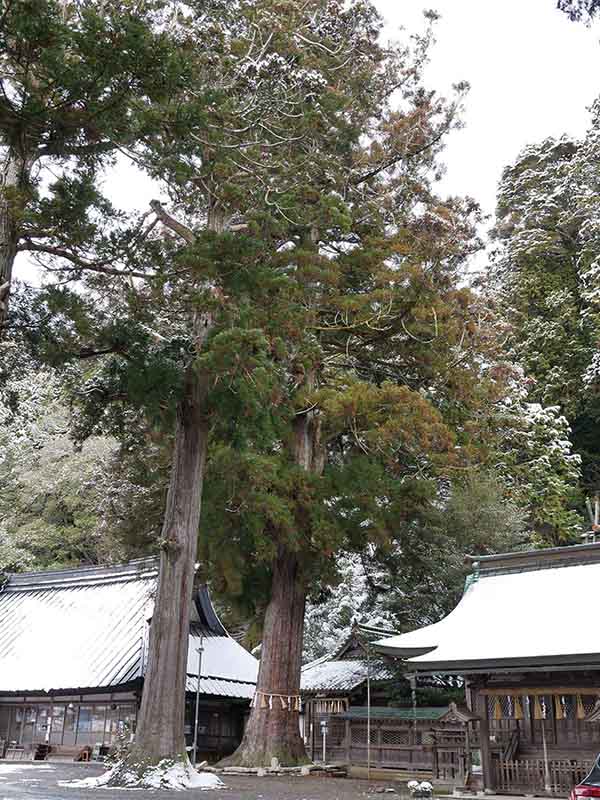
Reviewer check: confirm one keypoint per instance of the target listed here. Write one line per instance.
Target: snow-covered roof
(519, 609)
(341, 676)
(74, 629)
(221, 687)
(86, 628)
(345, 668)
(227, 669)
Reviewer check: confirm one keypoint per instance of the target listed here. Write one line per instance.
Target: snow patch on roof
(343, 675)
(87, 628)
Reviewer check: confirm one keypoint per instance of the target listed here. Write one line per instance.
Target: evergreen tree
(64, 503)
(66, 108)
(545, 275)
(259, 151)
(339, 307)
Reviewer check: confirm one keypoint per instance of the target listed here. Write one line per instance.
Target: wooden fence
(391, 745)
(529, 775)
(395, 744)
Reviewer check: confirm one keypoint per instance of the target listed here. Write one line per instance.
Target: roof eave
(114, 688)
(537, 558)
(403, 652)
(206, 612)
(535, 663)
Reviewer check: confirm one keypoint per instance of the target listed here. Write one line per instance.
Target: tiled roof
(343, 675)
(86, 628)
(223, 687)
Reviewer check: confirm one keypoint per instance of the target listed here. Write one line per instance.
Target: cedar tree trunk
(12, 176)
(160, 729)
(273, 729)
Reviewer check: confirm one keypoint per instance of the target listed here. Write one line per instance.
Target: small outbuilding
(73, 654)
(348, 676)
(354, 695)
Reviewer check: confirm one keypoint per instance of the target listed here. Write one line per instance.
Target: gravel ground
(27, 781)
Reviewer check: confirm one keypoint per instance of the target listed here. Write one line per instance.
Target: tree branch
(81, 263)
(398, 157)
(170, 222)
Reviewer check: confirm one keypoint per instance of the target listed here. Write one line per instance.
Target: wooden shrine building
(524, 639)
(73, 654)
(338, 681)
(363, 696)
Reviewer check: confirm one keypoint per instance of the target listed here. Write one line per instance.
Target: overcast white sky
(533, 74)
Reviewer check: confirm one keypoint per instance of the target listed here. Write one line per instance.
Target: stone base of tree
(288, 754)
(331, 770)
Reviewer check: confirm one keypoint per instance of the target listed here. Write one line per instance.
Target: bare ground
(39, 781)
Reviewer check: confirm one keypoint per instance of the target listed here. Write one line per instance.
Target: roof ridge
(76, 576)
(317, 661)
(531, 560)
(376, 629)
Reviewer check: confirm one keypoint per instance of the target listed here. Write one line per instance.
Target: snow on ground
(166, 775)
(9, 769)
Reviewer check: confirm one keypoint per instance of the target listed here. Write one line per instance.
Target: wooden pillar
(468, 759)
(348, 736)
(484, 742)
(554, 728)
(468, 696)
(434, 755)
(532, 721)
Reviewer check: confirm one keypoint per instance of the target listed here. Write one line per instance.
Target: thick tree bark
(160, 730)
(12, 177)
(273, 729)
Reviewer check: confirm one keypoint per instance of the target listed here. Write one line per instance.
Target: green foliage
(63, 504)
(64, 98)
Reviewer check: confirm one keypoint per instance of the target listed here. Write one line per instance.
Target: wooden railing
(529, 775)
